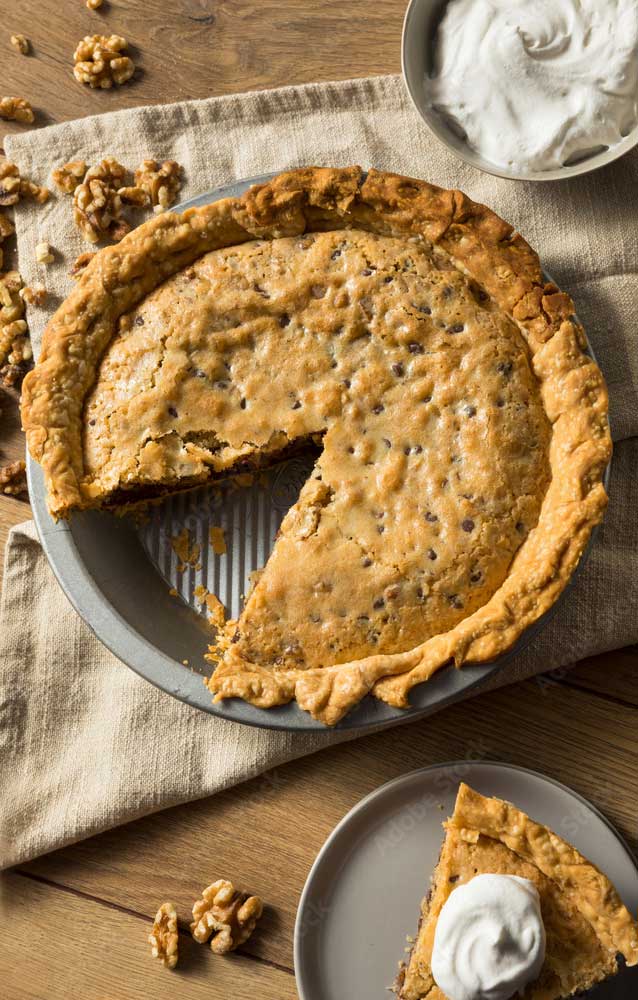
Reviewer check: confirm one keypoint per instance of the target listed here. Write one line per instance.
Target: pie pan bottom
(119, 576)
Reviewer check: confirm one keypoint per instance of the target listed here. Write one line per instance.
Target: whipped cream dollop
(535, 84)
(489, 940)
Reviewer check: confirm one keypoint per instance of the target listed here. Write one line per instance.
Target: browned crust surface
(478, 243)
(586, 923)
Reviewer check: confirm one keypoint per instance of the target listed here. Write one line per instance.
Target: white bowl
(420, 26)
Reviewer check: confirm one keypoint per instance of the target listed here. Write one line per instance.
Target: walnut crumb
(69, 175)
(21, 44)
(226, 914)
(94, 4)
(34, 295)
(99, 61)
(164, 938)
(217, 540)
(13, 479)
(43, 254)
(16, 109)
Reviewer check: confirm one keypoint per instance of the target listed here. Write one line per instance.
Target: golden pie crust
(409, 333)
(586, 924)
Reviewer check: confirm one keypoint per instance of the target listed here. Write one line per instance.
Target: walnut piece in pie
(164, 938)
(410, 334)
(226, 914)
(586, 923)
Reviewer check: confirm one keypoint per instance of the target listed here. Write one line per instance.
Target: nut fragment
(69, 175)
(16, 109)
(13, 479)
(164, 938)
(15, 347)
(97, 206)
(80, 263)
(20, 43)
(156, 184)
(6, 230)
(43, 253)
(94, 4)
(34, 295)
(99, 62)
(13, 187)
(228, 915)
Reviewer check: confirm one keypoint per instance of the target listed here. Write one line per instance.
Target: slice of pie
(586, 924)
(408, 336)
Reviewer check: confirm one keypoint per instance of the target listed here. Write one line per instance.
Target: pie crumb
(218, 541)
(187, 554)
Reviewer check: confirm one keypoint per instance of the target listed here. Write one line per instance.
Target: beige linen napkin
(86, 744)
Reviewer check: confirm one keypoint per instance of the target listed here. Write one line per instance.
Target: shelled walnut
(16, 353)
(230, 916)
(99, 61)
(69, 175)
(20, 44)
(16, 109)
(13, 187)
(97, 206)
(34, 295)
(164, 938)
(156, 184)
(13, 479)
(80, 263)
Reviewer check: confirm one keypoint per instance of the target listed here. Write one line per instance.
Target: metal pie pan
(362, 896)
(118, 576)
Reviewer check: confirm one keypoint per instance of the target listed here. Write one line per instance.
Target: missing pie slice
(586, 924)
(408, 334)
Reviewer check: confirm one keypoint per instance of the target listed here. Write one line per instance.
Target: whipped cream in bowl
(528, 89)
(489, 941)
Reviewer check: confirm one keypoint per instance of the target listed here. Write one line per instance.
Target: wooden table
(75, 923)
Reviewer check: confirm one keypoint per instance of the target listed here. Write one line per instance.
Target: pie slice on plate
(586, 924)
(407, 335)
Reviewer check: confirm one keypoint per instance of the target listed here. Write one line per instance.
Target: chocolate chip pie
(586, 924)
(407, 335)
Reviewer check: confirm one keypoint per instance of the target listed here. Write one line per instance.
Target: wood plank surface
(76, 921)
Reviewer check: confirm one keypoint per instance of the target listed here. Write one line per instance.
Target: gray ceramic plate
(363, 893)
(118, 576)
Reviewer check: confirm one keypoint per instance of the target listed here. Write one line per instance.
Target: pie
(586, 924)
(403, 332)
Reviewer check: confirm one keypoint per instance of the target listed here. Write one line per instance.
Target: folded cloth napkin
(85, 744)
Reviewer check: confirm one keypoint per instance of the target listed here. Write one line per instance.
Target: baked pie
(586, 925)
(406, 334)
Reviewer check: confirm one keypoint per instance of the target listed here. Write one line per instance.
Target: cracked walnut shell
(230, 916)
(99, 61)
(16, 109)
(164, 938)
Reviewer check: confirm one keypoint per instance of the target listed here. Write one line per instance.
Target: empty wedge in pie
(404, 332)
(585, 922)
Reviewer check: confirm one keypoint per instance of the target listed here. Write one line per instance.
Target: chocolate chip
(455, 601)
(284, 320)
(447, 292)
(380, 529)
(347, 383)
(520, 527)
(456, 328)
(398, 369)
(296, 405)
(235, 637)
(378, 408)
(454, 878)
(475, 576)
(335, 254)
(242, 403)
(387, 443)
(422, 309)
(470, 411)
(139, 321)
(426, 399)
(367, 561)
(415, 348)
(172, 411)
(418, 448)
(406, 449)
(317, 291)
(367, 270)
(429, 516)
(505, 368)
(92, 423)
(379, 603)
(388, 278)
(500, 403)
(467, 524)
(432, 554)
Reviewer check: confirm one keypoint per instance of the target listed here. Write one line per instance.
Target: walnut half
(230, 916)
(13, 479)
(164, 938)
(99, 61)
(16, 109)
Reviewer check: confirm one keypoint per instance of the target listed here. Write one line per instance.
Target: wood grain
(76, 921)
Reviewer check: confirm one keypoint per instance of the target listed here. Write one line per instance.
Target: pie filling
(408, 333)
(586, 924)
